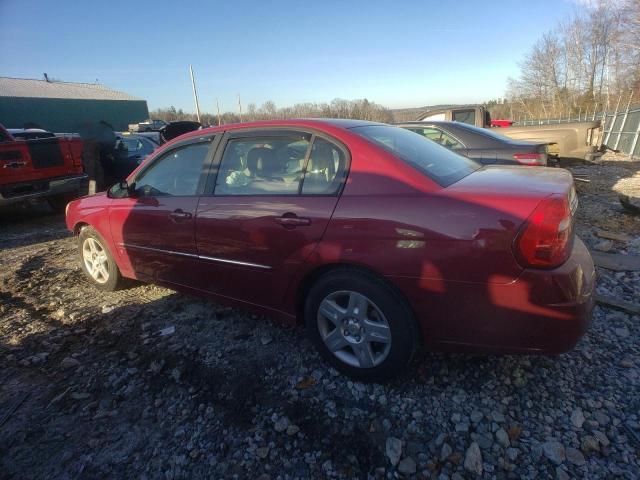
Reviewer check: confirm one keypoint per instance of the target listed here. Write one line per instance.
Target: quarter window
(262, 166)
(177, 173)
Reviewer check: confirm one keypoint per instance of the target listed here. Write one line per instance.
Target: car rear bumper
(49, 187)
(543, 311)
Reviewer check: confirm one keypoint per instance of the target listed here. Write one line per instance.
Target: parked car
(130, 151)
(49, 168)
(154, 125)
(481, 144)
(29, 133)
(577, 140)
(378, 239)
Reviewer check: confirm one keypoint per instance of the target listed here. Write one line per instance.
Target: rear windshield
(437, 162)
(487, 132)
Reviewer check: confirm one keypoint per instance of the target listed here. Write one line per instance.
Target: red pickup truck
(49, 168)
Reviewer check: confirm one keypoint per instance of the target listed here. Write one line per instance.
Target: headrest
(262, 160)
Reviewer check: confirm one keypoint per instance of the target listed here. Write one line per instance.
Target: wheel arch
(77, 228)
(312, 276)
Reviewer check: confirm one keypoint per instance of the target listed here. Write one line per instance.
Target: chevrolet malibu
(378, 240)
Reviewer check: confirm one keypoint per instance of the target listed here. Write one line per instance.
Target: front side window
(271, 165)
(438, 136)
(440, 164)
(177, 173)
(464, 116)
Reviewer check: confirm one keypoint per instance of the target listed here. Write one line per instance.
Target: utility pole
(240, 108)
(218, 109)
(195, 94)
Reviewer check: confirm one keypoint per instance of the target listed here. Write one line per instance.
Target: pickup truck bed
(49, 168)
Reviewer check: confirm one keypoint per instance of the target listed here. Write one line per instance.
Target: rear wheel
(96, 260)
(360, 325)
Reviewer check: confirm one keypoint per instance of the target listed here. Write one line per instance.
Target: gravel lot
(147, 383)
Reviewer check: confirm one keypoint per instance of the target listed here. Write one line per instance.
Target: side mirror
(122, 190)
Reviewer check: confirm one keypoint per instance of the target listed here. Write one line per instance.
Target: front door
(154, 226)
(274, 194)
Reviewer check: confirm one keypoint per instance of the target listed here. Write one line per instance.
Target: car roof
(342, 123)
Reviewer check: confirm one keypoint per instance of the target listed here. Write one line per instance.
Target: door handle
(14, 165)
(179, 215)
(291, 220)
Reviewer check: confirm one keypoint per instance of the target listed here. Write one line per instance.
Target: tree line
(357, 109)
(588, 62)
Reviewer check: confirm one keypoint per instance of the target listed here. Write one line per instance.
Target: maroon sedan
(376, 238)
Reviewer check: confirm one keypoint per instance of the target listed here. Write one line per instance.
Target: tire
(373, 350)
(92, 251)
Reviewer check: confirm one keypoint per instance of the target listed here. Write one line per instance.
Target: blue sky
(397, 53)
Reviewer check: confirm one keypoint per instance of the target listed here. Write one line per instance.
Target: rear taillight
(546, 239)
(534, 159)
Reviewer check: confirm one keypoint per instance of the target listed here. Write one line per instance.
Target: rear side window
(464, 116)
(326, 169)
(271, 165)
(438, 163)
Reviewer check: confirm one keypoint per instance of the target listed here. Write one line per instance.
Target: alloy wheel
(354, 329)
(95, 260)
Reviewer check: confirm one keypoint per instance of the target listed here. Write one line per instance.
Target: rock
(497, 417)
(266, 340)
(407, 466)
(604, 245)
(262, 452)
(476, 416)
(292, 430)
(108, 308)
(502, 437)
(445, 451)
(577, 418)
(281, 424)
(462, 427)
(589, 444)
(512, 454)
(69, 362)
(561, 474)
(622, 332)
(394, 449)
(80, 396)
(473, 459)
(602, 438)
(602, 418)
(575, 456)
(554, 451)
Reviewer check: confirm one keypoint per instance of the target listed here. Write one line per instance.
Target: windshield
(435, 161)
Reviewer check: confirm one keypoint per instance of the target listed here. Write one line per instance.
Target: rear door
(266, 207)
(154, 228)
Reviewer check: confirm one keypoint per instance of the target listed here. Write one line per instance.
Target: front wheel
(97, 263)
(360, 325)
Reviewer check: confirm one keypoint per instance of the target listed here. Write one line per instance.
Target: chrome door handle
(292, 220)
(179, 215)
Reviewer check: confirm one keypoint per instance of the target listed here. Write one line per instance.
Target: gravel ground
(147, 383)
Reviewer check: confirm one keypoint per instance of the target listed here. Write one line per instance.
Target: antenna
(195, 94)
